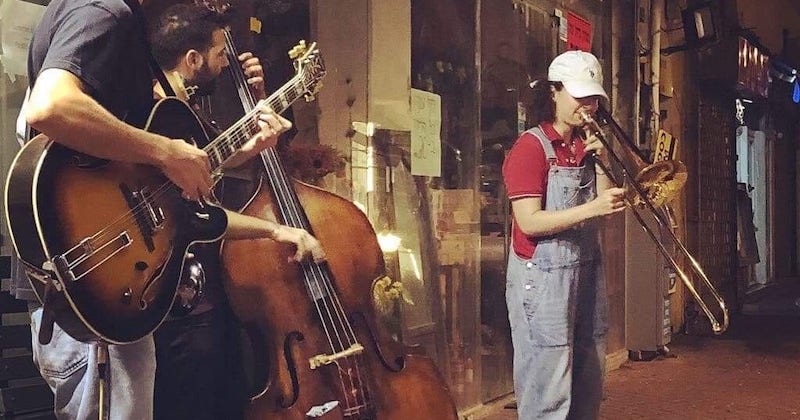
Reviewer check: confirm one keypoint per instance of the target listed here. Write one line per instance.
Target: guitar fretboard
(231, 140)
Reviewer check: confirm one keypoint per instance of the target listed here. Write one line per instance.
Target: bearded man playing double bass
(199, 371)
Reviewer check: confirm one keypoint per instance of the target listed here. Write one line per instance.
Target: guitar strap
(47, 322)
(136, 8)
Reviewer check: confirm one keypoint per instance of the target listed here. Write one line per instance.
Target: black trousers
(199, 374)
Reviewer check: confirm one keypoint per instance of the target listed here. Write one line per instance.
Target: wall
(768, 18)
(344, 42)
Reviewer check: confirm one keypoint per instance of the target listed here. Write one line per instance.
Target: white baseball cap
(580, 72)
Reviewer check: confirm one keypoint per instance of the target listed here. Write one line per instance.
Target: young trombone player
(555, 289)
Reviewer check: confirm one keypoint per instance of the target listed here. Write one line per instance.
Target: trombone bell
(662, 182)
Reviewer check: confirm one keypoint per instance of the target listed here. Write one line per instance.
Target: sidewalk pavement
(750, 372)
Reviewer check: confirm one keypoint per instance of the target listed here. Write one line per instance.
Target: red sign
(579, 33)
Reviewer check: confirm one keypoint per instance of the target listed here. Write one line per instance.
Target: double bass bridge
(325, 359)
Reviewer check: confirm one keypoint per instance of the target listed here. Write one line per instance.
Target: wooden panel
(26, 399)
(12, 336)
(17, 367)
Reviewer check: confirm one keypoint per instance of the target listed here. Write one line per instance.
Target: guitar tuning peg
(299, 49)
(296, 51)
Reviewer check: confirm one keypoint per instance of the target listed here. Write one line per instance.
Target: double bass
(321, 349)
(316, 322)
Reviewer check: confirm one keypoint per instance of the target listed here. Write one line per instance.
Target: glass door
(516, 45)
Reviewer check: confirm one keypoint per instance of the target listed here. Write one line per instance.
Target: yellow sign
(255, 25)
(665, 147)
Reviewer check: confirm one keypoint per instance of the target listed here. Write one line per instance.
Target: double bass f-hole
(284, 401)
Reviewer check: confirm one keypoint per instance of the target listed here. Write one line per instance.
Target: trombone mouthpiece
(586, 117)
(590, 124)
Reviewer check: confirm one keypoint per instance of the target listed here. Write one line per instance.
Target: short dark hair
(542, 108)
(183, 27)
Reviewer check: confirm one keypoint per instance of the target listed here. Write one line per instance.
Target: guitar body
(109, 237)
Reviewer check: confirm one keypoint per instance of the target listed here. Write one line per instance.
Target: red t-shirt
(525, 174)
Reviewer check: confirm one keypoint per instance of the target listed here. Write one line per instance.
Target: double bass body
(297, 322)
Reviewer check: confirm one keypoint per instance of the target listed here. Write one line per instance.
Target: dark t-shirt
(102, 43)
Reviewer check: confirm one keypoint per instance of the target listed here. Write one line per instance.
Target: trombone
(651, 188)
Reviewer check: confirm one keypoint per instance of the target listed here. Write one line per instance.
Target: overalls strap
(549, 152)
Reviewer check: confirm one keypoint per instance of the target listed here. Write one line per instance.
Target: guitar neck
(231, 140)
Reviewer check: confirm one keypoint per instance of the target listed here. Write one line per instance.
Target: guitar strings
(272, 101)
(232, 135)
(125, 220)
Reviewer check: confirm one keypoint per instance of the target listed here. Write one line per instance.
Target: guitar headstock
(214, 5)
(309, 66)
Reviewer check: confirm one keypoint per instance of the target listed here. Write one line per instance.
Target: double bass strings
(315, 277)
(312, 272)
(240, 79)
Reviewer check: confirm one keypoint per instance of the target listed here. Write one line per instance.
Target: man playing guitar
(88, 69)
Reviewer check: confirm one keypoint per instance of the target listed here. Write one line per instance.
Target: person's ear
(194, 59)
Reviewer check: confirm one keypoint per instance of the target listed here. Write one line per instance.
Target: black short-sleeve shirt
(102, 43)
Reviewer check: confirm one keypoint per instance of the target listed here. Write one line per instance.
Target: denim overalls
(557, 307)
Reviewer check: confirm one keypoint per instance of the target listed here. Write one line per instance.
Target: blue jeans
(558, 319)
(70, 368)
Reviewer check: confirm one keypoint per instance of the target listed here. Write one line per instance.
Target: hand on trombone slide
(593, 145)
(596, 148)
(611, 200)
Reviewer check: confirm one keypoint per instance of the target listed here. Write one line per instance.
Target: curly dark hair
(183, 27)
(541, 107)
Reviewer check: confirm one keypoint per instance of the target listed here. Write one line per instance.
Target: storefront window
(17, 19)
(443, 57)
